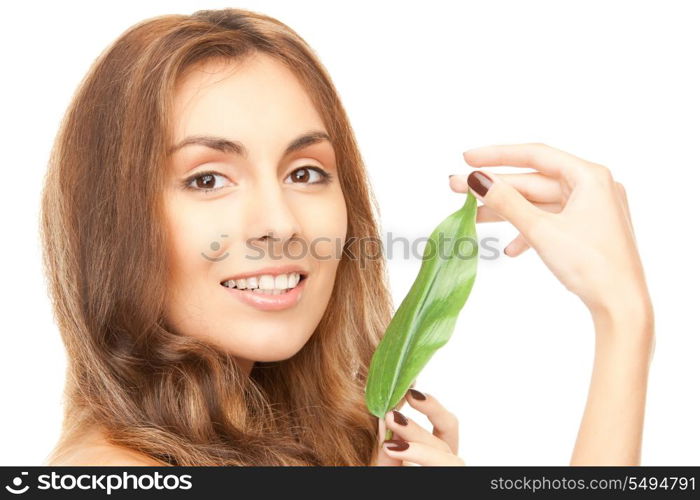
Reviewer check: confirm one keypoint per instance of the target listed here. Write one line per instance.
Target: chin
(266, 348)
(268, 355)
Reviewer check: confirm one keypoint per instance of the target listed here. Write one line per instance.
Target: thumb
(506, 201)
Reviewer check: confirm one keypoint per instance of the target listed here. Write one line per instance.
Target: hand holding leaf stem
(411, 442)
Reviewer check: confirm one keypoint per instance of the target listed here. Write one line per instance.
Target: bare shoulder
(93, 449)
(108, 455)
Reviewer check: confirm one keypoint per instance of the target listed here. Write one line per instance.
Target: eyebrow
(228, 146)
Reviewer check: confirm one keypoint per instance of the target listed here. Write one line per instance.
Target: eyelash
(326, 177)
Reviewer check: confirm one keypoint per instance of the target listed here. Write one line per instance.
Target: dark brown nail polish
(396, 444)
(399, 418)
(479, 182)
(417, 394)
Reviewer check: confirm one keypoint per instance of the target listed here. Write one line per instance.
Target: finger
(383, 459)
(408, 430)
(516, 247)
(508, 203)
(445, 424)
(546, 159)
(534, 186)
(486, 214)
(420, 453)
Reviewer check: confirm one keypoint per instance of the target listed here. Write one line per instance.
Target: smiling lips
(268, 293)
(266, 283)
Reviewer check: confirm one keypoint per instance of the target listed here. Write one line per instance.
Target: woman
(201, 216)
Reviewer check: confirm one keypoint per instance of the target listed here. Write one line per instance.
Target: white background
(614, 83)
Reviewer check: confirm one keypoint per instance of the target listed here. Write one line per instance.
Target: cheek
(325, 228)
(188, 233)
(193, 237)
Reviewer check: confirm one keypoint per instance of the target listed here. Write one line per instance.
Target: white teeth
(293, 280)
(266, 283)
(281, 282)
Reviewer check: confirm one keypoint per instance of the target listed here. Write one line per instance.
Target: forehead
(243, 100)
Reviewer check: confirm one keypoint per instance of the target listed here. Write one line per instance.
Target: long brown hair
(172, 397)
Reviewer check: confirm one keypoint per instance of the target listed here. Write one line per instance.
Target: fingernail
(399, 418)
(479, 182)
(396, 445)
(417, 394)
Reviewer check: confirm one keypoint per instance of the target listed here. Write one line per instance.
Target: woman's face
(227, 192)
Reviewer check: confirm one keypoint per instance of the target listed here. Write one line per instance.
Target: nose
(272, 221)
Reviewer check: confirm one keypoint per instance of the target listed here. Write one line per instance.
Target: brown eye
(303, 174)
(206, 182)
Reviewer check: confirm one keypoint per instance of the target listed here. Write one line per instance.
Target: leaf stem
(388, 435)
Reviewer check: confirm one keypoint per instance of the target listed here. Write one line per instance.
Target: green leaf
(426, 318)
